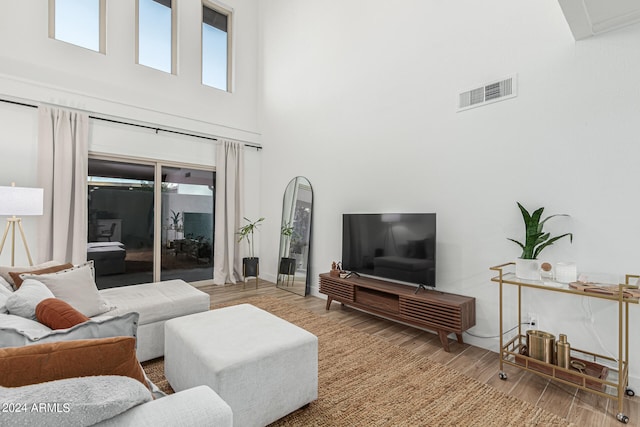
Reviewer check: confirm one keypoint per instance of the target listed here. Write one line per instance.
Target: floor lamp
(19, 201)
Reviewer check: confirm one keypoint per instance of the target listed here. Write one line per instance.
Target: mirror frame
(287, 207)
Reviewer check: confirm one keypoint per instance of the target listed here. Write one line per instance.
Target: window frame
(229, 13)
(174, 38)
(102, 27)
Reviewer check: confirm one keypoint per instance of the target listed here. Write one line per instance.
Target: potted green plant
(287, 231)
(175, 219)
(287, 265)
(250, 264)
(527, 265)
(175, 227)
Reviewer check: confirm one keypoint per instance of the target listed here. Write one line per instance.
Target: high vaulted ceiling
(589, 18)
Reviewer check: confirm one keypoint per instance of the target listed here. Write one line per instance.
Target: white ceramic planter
(528, 269)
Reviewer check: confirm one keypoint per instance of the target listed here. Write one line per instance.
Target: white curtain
(227, 263)
(62, 171)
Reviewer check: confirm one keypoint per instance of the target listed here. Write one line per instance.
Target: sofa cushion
(39, 363)
(23, 302)
(4, 294)
(4, 270)
(17, 280)
(204, 408)
(75, 286)
(157, 301)
(76, 401)
(58, 314)
(10, 324)
(16, 331)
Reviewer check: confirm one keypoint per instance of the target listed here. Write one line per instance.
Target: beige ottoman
(262, 366)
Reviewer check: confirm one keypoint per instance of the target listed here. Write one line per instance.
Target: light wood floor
(579, 407)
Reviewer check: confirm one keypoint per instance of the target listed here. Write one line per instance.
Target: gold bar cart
(609, 385)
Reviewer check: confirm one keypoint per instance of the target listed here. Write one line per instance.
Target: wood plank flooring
(582, 408)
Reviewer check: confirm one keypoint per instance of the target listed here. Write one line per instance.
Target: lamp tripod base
(11, 224)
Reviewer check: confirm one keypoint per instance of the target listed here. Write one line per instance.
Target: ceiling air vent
(487, 94)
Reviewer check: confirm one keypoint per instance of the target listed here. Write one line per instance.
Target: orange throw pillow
(33, 364)
(58, 314)
(17, 281)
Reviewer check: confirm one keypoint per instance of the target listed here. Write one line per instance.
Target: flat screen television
(396, 246)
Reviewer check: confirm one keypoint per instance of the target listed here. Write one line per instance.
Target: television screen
(397, 246)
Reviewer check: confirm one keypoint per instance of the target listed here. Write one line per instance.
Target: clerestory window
(216, 46)
(79, 22)
(156, 46)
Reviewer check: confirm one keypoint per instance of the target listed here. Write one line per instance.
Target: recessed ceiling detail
(588, 18)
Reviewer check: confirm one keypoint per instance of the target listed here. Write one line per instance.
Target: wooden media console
(430, 309)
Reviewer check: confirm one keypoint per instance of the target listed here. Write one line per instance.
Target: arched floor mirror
(294, 273)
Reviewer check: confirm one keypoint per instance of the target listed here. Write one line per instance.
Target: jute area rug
(365, 381)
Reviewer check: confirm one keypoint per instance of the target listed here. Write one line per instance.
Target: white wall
(35, 69)
(18, 164)
(360, 97)
(113, 83)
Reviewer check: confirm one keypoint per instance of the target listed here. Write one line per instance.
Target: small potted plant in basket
(527, 265)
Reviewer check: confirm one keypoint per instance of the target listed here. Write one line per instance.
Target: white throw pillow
(17, 332)
(77, 287)
(23, 302)
(4, 270)
(4, 294)
(5, 285)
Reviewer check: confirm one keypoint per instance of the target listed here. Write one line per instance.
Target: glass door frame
(157, 202)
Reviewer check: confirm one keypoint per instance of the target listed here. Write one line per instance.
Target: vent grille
(487, 94)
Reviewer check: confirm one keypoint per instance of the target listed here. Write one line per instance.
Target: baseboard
(269, 277)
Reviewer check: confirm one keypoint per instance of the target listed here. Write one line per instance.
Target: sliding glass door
(187, 224)
(149, 222)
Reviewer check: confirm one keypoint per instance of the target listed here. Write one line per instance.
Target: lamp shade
(390, 217)
(21, 201)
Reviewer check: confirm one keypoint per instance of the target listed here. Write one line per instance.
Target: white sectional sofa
(156, 303)
(110, 401)
(196, 407)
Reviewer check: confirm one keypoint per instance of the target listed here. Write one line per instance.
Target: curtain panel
(227, 261)
(63, 141)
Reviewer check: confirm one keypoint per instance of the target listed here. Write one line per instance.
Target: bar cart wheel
(622, 418)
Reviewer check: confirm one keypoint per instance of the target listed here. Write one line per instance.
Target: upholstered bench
(261, 365)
